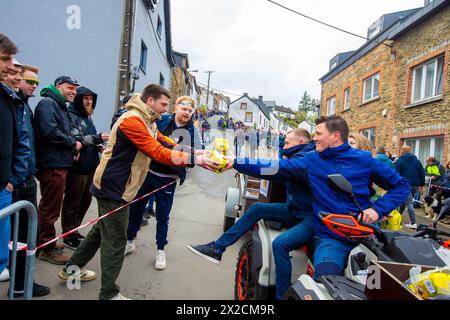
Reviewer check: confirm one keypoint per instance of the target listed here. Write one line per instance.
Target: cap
(65, 79)
(17, 63)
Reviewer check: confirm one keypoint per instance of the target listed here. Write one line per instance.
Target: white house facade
(252, 112)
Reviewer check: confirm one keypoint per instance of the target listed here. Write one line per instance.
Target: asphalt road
(196, 218)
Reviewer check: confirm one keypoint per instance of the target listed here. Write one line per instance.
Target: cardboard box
(385, 281)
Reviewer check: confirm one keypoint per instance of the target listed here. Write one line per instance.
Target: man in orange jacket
(134, 142)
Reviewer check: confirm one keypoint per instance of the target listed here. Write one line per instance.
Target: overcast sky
(256, 47)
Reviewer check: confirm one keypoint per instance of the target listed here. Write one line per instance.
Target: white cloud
(256, 47)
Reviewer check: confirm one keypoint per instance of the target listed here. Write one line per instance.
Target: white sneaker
(160, 263)
(130, 247)
(411, 226)
(4, 276)
(120, 296)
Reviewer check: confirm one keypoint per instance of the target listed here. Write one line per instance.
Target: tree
(305, 105)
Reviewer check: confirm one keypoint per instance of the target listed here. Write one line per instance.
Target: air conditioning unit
(135, 72)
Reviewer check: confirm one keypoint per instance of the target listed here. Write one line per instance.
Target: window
(370, 134)
(159, 27)
(425, 147)
(331, 105)
(161, 80)
(249, 117)
(371, 87)
(243, 106)
(347, 99)
(144, 52)
(427, 79)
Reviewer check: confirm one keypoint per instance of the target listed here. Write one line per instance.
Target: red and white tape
(31, 252)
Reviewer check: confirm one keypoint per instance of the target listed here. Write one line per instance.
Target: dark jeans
(300, 233)
(52, 184)
(110, 235)
(410, 205)
(164, 201)
(77, 200)
(28, 192)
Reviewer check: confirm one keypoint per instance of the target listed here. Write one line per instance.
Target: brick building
(395, 88)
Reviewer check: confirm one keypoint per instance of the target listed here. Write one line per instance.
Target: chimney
(245, 94)
(260, 98)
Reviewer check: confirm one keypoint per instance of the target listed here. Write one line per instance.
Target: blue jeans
(164, 201)
(410, 205)
(330, 256)
(5, 229)
(292, 239)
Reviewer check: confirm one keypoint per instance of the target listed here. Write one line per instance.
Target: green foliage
(307, 104)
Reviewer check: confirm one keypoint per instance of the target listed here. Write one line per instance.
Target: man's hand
(104, 136)
(206, 163)
(9, 187)
(206, 153)
(78, 146)
(230, 163)
(370, 216)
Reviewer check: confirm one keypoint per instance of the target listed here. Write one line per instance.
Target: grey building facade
(100, 43)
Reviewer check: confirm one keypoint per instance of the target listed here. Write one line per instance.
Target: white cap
(17, 63)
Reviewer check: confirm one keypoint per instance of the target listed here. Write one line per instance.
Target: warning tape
(439, 187)
(92, 221)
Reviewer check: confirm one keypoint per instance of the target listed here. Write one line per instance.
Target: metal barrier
(31, 245)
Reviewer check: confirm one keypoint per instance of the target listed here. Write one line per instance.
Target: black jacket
(55, 145)
(83, 129)
(8, 135)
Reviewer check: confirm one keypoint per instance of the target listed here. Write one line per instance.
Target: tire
(228, 223)
(244, 285)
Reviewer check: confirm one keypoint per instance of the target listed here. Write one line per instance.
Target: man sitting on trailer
(297, 214)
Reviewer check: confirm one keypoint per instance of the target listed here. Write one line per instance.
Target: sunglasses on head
(31, 81)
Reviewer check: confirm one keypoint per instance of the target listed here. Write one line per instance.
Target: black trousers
(26, 192)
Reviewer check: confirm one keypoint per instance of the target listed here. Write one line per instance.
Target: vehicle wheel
(227, 223)
(244, 285)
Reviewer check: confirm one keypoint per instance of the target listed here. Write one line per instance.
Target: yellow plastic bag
(393, 221)
(431, 284)
(221, 146)
(220, 159)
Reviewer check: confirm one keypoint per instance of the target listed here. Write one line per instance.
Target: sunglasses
(32, 81)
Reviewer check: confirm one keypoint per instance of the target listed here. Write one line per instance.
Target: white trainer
(130, 247)
(4, 276)
(120, 296)
(411, 226)
(160, 263)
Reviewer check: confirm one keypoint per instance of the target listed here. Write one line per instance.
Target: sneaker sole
(160, 267)
(203, 255)
(69, 246)
(65, 277)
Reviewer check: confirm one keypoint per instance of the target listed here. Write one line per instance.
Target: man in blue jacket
(333, 155)
(409, 166)
(296, 214)
(27, 188)
(8, 137)
(181, 129)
